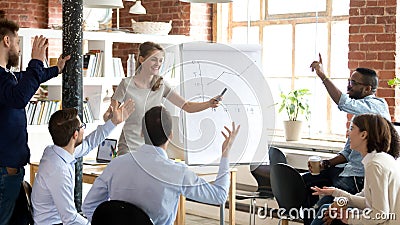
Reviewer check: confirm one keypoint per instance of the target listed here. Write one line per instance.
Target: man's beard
(78, 142)
(356, 94)
(13, 59)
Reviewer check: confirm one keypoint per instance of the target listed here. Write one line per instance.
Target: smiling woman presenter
(148, 89)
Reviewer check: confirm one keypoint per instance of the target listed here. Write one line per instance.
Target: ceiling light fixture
(137, 8)
(111, 4)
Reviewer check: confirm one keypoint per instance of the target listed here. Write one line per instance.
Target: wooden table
(90, 173)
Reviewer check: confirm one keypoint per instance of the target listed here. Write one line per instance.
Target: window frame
(224, 34)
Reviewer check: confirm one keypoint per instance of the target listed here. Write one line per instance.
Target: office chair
(288, 188)
(23, 211)
(121, 213)
(28, 191)
(261, 174)
(276, 156)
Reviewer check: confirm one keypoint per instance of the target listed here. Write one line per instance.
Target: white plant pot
(292, 130)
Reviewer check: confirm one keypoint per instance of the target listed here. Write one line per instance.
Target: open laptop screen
(105, 150)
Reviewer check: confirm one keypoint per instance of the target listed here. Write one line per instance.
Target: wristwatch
(326, 164)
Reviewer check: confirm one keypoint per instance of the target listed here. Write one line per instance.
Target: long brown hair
(382, 136)
(145, 49)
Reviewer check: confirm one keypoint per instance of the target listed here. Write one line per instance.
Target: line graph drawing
(205, 70)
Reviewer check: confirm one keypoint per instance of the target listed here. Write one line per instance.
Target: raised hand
(61, 62)
(39, 47)
(229, 139)
(122, 112)
(317, 66)
(108, 114)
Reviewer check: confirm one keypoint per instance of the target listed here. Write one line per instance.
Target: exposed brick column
(55, 12)
(201, 22)
(372, 42)
(397, 90)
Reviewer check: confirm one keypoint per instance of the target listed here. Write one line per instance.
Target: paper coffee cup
(315, 165)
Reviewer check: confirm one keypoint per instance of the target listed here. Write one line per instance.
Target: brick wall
(28, 13)
(55, 12)
(372, 30)
(372, 42)
(45, 13)
(187, 19)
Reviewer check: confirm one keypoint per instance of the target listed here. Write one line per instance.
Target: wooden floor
(198, 220)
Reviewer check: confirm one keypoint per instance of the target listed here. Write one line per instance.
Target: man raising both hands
(16, 89)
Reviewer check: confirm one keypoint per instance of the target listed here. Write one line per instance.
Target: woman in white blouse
(379, 202)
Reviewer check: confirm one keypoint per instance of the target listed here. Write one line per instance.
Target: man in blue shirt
(16, 89)
(53, 189)
(151, 181)
(345, 171)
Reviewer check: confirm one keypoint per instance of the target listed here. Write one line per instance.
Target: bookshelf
(94, 88)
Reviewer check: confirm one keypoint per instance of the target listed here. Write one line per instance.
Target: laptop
(104, 152)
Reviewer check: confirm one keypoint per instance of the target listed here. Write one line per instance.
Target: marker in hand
(222, 94)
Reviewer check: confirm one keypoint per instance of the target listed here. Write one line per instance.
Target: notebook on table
(105, 152)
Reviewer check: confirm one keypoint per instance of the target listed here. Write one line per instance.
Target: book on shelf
(93, 63)
(118, 68)
(39, 112)
(87, 112)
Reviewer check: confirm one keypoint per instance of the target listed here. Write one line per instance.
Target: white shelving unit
(94, 88)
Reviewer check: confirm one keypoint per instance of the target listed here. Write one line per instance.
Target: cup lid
(314, 158)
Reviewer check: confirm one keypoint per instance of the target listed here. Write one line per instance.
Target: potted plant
(295, 104)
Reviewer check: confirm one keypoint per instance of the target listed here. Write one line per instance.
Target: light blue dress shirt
(369, 104)
(53, 189)
(151, 181)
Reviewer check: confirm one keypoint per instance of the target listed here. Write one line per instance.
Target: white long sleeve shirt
(151, 181)
(381, 193)
(53, 189)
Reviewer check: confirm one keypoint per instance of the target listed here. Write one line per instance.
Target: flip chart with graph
(206, 70)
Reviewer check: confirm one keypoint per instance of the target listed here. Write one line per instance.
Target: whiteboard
(205, 70)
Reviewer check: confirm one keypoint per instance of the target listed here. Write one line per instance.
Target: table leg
(180, 215)
(222, 214)
(232, 199)
(32, 174)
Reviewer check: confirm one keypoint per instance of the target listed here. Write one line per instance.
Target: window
(292, 33)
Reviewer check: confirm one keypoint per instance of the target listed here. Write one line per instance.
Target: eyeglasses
(355, 83)
(83, 125)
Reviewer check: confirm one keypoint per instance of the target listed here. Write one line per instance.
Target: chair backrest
(119, 212)
(262, 175)
(276, 156)
(287, 186)
(262, 172)
(28, 191)
(23, 213)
